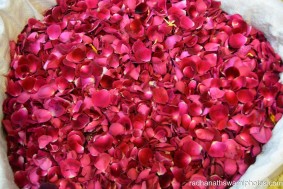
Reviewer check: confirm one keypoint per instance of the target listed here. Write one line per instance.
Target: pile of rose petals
(138, 94)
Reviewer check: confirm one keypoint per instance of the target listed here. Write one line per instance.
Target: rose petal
(230, 166)
(195, 109)
(101, 98)
(116, 129)
(53, 31)
(171, 41)
(217, 149)
(42, 115)
(70, 168)
(218, 112)
(145, 155)
(192, 148)
(261, 134)
(20, 116)
(160, 95)
(181, 159)
(186, 22)
(76, 55)
(102, 162)
(91, 3)
(204, 134)
(44, 140)
(46, 91)
(237, 40)
(245, 96)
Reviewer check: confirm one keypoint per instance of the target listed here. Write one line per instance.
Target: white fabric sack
(265, 15)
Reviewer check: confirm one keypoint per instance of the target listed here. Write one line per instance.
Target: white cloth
(264, 15)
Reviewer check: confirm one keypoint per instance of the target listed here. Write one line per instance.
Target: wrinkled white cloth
(264, 15)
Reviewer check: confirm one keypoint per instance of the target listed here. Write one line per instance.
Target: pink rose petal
(53, 31)
(101, 98)
(237, 40)
(217, 149)
(44, 140)
(186, 22)
(42, 115)
(116, 129)
(102, 162)
(70, 168)
(20, 116)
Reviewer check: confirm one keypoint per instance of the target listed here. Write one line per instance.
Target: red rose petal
(237, 40)
(101, 98)
(205, 134)
(261, 134)
(195, 109)
(145, 155)
(186, 22)
(102, 162)
(76, 55)
(181, 159)
(46, 91)
(230, 166)
(217, 149)
(44, 140)
(20, 116)
(70, 168)
(53, 31)
(91, 3)
(160, 95)
(231, 97)
(218, 112)
(171, 41)
(42, 115)
(245, 96)
(192, 148)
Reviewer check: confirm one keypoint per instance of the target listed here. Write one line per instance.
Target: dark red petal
(145, 155)
(181, 159)
(218, 112)
(20, 116)
(232, 72)
(76, 55)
